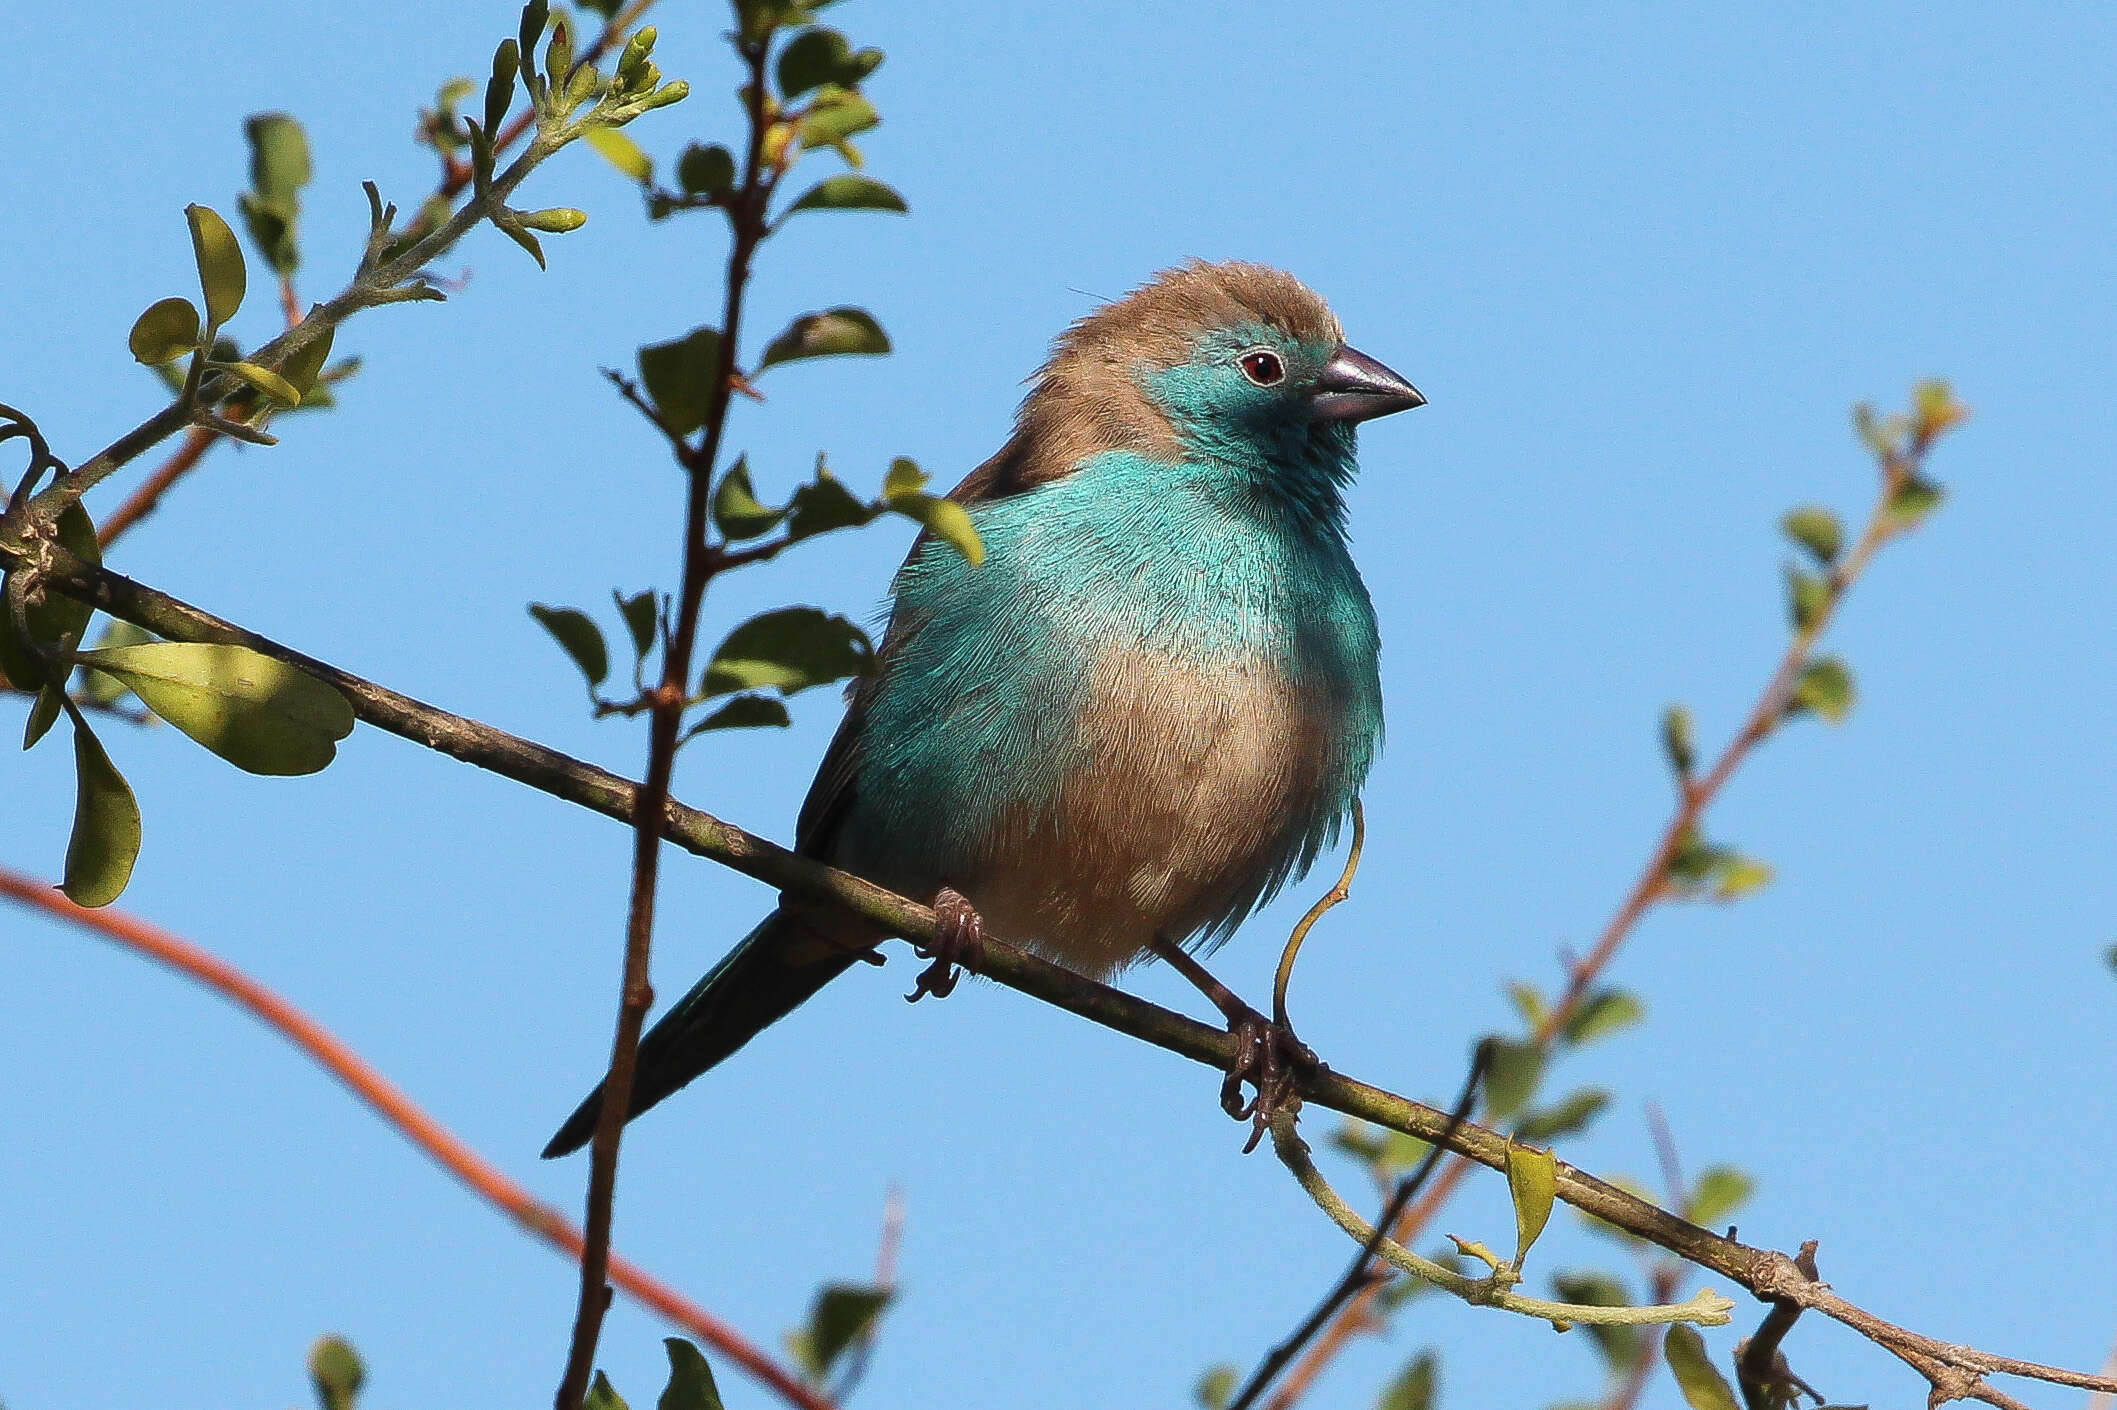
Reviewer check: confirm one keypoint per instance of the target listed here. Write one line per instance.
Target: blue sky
(1641, 259)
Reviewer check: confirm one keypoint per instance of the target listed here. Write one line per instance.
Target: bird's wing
(1015, 468)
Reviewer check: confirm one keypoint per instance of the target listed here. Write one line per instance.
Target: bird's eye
(1262, 367)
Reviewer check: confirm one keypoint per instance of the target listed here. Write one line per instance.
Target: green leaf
(264, 379)
(1569, 1117)
(603, 1396)
(279, 155)
(679, 376)
(1216, 1387)
(843, 1313)
(834, 115)
(1825, 687)
(220, 263)
(1359, 1140)
(581, 637)
(261, 715)
(108, 690)
(1414, 1386)
(640, 611)
(554, 220)
(744, 712)
(1511, 1078)
(736, 510)
(1619, 1345)
(621, 152)
(44, 712)
(1816, 529)
(848, 192)
(706, 170)
(1735, 876)
(1532, 1179)
(165, 332)
(106, 831)
(690, 1379)
(789, 650)
(500, 88)
(946, 520)
(904, 477)
(825, 504)
(1807, 595)
(305, 363)
(510, 225)
(1676, 740)
(1911, 501)
(1602, 1013)
(833, 333)
(1529, 1003)
(536, 15)
(336, 1371)
(819, 56)
(1704, 1388)
(1720, 1191)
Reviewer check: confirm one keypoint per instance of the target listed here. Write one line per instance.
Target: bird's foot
(1270, 1058)
(958, 945)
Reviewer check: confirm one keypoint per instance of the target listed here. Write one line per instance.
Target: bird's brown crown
(1087, 398)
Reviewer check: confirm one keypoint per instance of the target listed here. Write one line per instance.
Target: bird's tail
(777, 965)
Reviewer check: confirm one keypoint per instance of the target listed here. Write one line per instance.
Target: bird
(1149, 708)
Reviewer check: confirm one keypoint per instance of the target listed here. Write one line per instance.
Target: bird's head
(1231, 363)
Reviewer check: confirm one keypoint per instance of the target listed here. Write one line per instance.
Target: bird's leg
(1268, 1055)
(958, 944)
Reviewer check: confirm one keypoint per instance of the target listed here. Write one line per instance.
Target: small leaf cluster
(258, 713)
(271, 209)
(172, 328)
(570, 97)
(815, 100)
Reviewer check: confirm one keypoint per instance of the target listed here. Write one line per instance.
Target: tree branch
(440, 1144)
(1767, 1274)
(636, 992)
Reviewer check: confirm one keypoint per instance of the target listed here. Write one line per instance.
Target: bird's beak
(1354, 387)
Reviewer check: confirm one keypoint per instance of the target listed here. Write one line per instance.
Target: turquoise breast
(1150, 708)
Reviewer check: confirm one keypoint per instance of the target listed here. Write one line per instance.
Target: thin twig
(636, 993)
(443, 1146)
(1363, 1272)
(1328, 899)
(1706, 1309)
(1651, 885)
(1765, 1273)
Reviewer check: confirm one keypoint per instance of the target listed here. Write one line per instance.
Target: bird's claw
(1271, 1059)
(958, 945)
